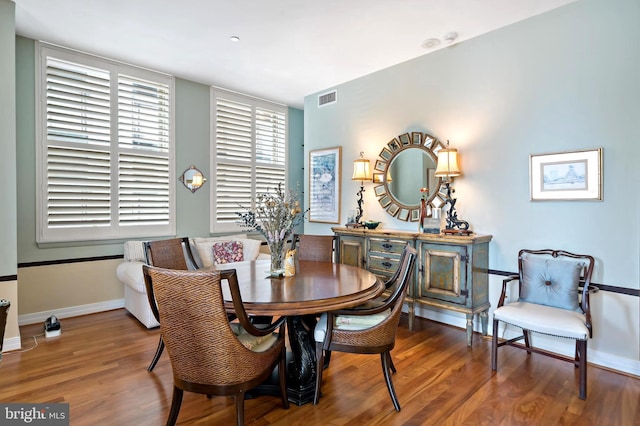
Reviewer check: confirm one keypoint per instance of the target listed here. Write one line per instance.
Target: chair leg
(527, 342)
(282, 378)
(581, 348)
(175, 406)
(327, 358)
(319, 365)
(156, 357)
(494, 346)
(385, 357)
(239, 397)
(391, 366)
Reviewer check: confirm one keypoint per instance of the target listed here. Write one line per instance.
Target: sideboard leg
(484, 320)
(469, 329)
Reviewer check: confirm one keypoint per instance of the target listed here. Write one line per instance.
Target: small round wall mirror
(192, 178)
(406, 165)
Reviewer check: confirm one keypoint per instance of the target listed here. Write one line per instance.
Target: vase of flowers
(275, 215)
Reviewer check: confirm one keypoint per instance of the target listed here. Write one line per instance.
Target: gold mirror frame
(192, 178)
(436, 196)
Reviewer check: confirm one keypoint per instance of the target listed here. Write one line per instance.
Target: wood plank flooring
(98, 365)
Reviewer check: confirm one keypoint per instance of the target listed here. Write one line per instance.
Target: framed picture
(324, 185)
(575, 175)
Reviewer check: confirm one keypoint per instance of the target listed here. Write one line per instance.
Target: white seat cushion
(348, 322)
(251, 342)
(544, 319)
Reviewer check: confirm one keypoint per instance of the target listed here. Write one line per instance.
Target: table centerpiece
(275, 214)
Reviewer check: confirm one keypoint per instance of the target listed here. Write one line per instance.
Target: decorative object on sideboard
(324, 185)
(192, 178)
(447, 169)
(429, 224)
(360, 172)
(371, 224)
(275, 215)
(405, 165)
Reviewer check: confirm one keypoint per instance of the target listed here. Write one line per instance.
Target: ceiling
(287, 48)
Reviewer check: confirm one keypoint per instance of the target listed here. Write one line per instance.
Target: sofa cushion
(227, 252)
(134, 251)
(204, 248)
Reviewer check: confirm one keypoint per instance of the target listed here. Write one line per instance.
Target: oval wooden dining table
(315, 288)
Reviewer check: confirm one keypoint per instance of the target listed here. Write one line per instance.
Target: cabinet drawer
(383, 245)
(383, 265)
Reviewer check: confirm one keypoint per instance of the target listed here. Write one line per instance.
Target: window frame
(255, 103)
(114, 230)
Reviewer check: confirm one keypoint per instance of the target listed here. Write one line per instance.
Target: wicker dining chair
(174, 253)
(366, 331)
(206, 355)
(318, 248)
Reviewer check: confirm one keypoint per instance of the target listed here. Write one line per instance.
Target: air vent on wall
(328, 98)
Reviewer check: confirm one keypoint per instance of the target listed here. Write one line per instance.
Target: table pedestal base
(301, 364)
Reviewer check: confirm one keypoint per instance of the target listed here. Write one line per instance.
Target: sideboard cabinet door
(350, 250)
(445, 273)
(453, 275)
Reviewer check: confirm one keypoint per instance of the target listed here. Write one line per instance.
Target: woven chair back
(167, 254)
(201, 345)
(318, 248)
(383, 334)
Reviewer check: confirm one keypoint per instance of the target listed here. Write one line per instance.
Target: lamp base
(457, 232)
(354, 225)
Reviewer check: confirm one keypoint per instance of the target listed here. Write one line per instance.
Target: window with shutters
(105, 147)
(249, 141)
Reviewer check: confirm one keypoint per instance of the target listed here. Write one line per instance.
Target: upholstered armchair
(549, 302)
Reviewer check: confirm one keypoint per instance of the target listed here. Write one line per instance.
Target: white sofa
(129, 272)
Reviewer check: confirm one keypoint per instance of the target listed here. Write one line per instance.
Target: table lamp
(361, 173)
(447, 168)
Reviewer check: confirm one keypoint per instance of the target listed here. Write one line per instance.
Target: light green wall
(7, 139)
(192, 140)
(564, 80)
(192, 147)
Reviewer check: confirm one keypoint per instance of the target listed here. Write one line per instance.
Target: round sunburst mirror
(406, 165)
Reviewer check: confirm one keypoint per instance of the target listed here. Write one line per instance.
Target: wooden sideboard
(451, 271)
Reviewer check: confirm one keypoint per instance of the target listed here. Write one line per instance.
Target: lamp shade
(361, 169)
(447, 163)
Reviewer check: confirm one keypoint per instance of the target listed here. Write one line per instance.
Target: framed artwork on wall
(324, 185)
(575, 175)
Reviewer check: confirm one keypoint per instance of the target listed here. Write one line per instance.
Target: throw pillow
(550, 281)
(204, 248)
(227, 252)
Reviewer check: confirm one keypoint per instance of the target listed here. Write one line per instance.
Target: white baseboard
(72, 311)
(11, 344)
(610, 361)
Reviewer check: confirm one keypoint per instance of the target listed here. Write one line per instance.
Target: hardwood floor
(98, 365)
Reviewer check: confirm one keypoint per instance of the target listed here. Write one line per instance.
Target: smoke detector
(450, 37)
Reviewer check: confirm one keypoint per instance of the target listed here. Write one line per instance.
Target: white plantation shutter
(143, 126)
(249, 154)
(104, 151)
